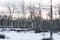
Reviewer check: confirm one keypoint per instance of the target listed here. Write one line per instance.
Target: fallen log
(2, 36)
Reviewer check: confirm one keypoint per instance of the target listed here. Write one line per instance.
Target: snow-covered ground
(29, 35)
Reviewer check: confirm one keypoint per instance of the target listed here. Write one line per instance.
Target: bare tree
(40, 14)
(22, 11)
(11, 9)
(59, 11)
(51, 17)
(33, 11)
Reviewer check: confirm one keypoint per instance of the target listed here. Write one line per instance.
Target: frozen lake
(28, 35)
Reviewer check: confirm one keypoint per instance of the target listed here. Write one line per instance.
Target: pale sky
(3, 2)
(27, 1)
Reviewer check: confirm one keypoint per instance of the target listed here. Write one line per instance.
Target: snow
(28, 35)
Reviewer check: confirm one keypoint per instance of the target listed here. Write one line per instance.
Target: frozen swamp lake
(28, 35)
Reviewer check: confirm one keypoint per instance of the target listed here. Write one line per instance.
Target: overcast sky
(3, 2)
(27, 1)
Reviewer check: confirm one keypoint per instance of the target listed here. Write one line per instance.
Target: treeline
(37, 23)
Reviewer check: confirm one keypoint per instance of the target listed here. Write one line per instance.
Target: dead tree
(11, 9)
(51, 20)
(23, 17)
(40, 14)
(51, 16)
(24, 14)
(59, 12)
(33, 11)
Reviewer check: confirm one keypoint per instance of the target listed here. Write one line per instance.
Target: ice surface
(28, 35)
